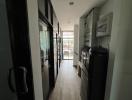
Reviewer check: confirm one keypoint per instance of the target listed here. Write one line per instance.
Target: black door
(5, 55)
(20, 50)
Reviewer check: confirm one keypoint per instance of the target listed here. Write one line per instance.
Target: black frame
(51, 60)
(45, 18)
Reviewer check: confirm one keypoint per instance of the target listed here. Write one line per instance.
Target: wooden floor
(68, 83)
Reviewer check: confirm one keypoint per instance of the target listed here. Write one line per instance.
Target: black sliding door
(20, 50)
(46, 17)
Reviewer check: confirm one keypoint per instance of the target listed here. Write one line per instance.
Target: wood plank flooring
(68, 83)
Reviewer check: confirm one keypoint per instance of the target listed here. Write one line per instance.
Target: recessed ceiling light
(71, 3)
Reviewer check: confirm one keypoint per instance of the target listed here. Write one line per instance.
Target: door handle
(20, 75)
(10, 80)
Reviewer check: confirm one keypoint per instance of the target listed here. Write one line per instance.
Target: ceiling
(68, 15)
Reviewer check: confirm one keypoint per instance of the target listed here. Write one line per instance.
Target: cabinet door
(91, 23)
(89, 29)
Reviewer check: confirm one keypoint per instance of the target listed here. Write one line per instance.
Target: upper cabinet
(95, 29)
(88, 29)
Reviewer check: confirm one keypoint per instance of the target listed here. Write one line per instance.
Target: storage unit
(93, 61)
(93, 75)
(90, 27)
(87, 29)
(97, 73)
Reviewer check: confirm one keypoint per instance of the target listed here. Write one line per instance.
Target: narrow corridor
(68, 83)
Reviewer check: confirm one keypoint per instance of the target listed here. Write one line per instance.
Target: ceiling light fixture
(71, 3)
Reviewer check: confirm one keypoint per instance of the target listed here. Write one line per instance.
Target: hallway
(67, 84)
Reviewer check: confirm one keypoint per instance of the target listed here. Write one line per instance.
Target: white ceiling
(69, 15)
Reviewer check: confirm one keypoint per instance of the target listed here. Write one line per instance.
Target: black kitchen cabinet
(93, 75)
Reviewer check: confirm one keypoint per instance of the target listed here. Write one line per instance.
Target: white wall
(106, 9)
(122, 73)
(119, 77)
(35, 47)
(76, 44)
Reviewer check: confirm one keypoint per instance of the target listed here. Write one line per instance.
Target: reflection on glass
(44, 41)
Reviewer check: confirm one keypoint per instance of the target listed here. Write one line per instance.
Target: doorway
(68, 45)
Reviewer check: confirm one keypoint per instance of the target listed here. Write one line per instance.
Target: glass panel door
(68, 48)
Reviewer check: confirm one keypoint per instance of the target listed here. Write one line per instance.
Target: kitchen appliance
(94, 75)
